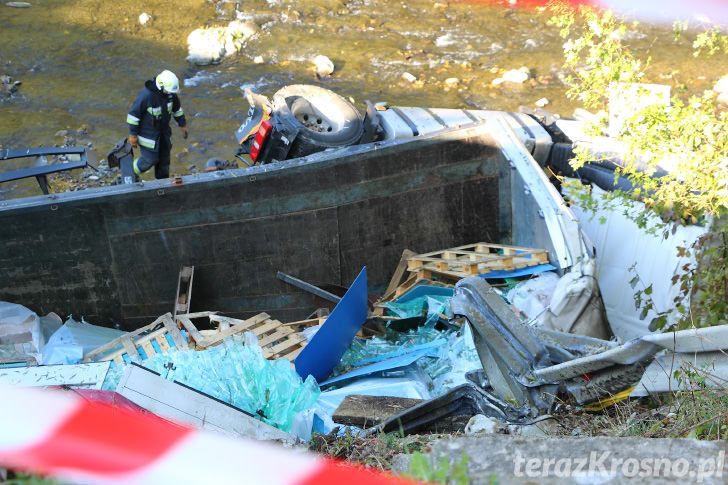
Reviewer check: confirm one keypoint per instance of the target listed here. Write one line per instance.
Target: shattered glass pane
(239, 375)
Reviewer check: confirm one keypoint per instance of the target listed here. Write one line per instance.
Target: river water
(81, 63)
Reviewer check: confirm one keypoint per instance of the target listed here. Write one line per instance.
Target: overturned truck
(421, 179)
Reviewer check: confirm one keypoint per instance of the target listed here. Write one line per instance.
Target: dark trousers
(159, 159)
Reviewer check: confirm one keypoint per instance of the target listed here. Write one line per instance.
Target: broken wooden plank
(366, 411)
(186, 322)
(129, 347)
(184, 290)
(309, 322)
(238, 326)
(399, 273)
(173, 330)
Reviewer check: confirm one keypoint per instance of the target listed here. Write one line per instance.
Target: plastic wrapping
(17, 323)
(73, 339)
(24, 352)
(531, 297)
(18, 333)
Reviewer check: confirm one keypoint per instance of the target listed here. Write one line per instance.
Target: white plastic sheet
(74, 339)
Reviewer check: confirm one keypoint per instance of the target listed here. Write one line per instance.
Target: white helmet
(167, 80)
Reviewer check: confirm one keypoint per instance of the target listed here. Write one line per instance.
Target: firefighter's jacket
(150, 115)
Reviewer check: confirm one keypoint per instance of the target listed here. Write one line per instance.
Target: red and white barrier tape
(62, 435)
(665, 11)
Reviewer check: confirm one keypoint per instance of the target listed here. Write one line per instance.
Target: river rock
(323, 66)
(18, 4)
(144, 18)
(210, 45)
(409, 77)
(517, 75)
(8, 87)
(481, 424)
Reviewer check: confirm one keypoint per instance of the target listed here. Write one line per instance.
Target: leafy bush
(689, 131)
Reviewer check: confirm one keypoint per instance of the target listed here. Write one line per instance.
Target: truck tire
(325, 119)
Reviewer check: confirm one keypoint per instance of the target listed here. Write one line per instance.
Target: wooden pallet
(278, 340)
(474, 259)
(130, 345)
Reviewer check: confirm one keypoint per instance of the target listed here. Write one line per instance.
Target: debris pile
(473, 338)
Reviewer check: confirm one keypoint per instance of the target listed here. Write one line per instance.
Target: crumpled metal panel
(698, 352)
(509, 352)
(692, 340)
(632, 352)
(660, 375)
(526, 365)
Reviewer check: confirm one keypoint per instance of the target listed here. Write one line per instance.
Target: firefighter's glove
(184, 132)
(133, 141)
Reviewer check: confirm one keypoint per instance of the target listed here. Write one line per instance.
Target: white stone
(210, 45)
(452, 81)
(206, 46)
(323, 65)
(408, 77)
(258, 60)
(144, 18)
(517, 75)
(541, 102)
(483, 424)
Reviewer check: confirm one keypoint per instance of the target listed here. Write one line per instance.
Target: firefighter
(148, 120)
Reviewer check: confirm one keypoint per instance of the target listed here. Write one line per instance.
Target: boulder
(210, 45)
